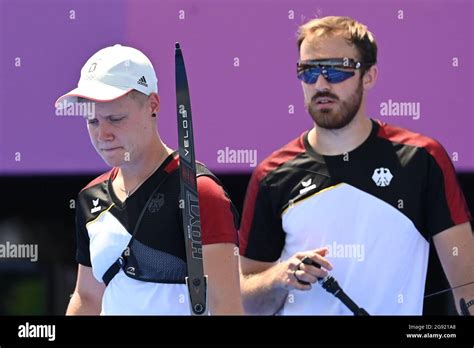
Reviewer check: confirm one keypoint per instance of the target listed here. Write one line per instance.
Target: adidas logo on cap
(111, 73)
(142, 81)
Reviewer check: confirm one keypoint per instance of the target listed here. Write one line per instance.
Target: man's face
(121, 130)
(331, 105)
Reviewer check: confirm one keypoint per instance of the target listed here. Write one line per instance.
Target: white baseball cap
(111, 73)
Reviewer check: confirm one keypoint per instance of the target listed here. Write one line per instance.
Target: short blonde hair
(354, 32)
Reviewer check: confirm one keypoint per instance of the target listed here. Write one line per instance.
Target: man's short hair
(138, 96)
(354, 32)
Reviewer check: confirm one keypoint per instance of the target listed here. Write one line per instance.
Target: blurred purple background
(243, 107)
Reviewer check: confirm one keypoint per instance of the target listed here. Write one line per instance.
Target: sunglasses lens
(336, 76)
(311, 75)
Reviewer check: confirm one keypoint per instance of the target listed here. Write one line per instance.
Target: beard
(336, 116)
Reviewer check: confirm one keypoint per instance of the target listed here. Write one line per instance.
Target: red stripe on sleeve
(104, 177)
(173, 165)
(217, 219)
(454, 196)
(272, 162)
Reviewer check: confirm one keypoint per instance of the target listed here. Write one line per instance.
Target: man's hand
(265, 285)
(293, 271)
